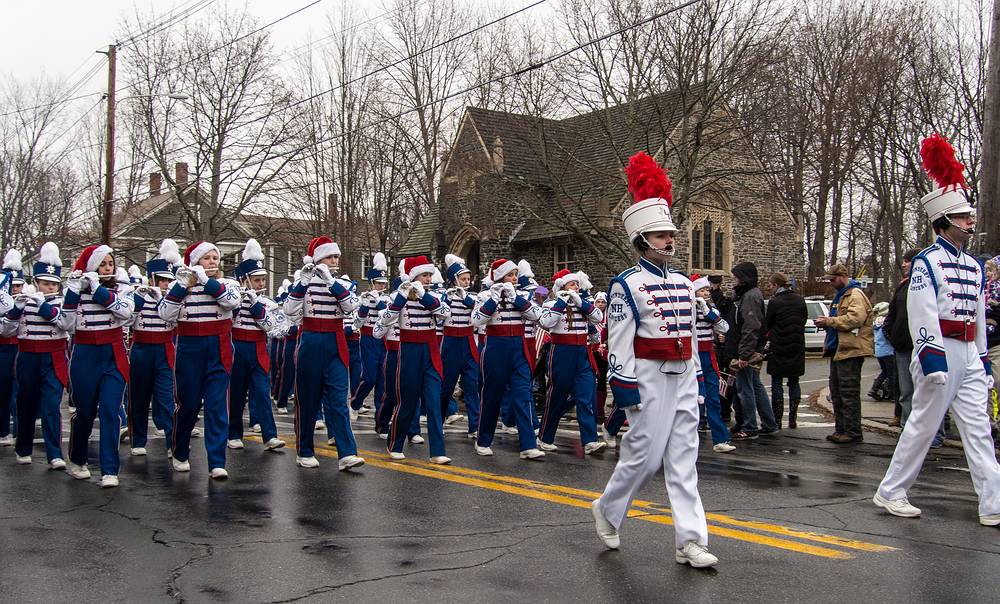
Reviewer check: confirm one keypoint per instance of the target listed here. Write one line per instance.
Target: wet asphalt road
(790, 518)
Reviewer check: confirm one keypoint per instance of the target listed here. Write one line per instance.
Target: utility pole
(109, 152)
(989, 179)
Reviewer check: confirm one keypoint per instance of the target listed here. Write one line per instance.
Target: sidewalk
(875, 416)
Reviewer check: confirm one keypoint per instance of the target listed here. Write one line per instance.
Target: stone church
(553, 191)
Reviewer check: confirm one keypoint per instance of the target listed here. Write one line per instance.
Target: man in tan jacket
(849, 340)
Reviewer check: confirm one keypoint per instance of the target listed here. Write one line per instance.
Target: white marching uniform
(946, 308)
(653, 371)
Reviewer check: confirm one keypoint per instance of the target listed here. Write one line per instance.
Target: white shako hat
(938, 158)
(650, 188)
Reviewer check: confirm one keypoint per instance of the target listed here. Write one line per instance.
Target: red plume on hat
(647, 179)
(939, 161)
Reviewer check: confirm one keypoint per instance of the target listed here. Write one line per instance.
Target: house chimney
(498, 155)
(181, 173)
(155, 183)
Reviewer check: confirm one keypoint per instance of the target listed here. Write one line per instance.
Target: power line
(193, 7)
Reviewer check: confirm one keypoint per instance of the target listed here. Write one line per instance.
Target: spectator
(785, 324)
(897, 329)
(848, 342)
(746, 347)
(884, 386)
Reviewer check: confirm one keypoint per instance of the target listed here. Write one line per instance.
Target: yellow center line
(581, 498)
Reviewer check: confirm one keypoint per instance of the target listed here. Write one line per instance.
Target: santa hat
(938, 157)
(437, 278)
(253, 260)
(455, 267)
(134, 275)
(700, 283)
(163, 265)
(562, 278)
(379, 270)
(650, 188)
(319, 248)
(49, 265)
(91, 258)
(500, 268)
(196, 251)
(416, 265)
(12, 264)
(525, 276)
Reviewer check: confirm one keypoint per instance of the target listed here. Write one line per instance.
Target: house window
(711, 232)
(366, 258)
(565, 258)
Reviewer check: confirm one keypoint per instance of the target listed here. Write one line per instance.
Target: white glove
(939, 378)
(417, 287)
(38, 297)
(701, 305)
(155, 293)
(21, 300)
(74, 283)
(369, 297)
(184, 276)
(307, 273)
(509, 293)
(324, 273)
(564, 296)
(251, 296)
(989, 382)
(496, 292)
(574, 297)
(200, 274)
(93, 281)
(404, 289)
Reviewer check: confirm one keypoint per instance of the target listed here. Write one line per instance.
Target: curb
(818, 400)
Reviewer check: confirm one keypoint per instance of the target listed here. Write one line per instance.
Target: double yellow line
(772, 535)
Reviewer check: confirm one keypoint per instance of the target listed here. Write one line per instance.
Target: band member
(322, 302)
(599, 352)
(42, 327)
(373, 302)
(654, 372)
(151, 359)
(98, 367)
(286, 381)
(201, 302)
(12, 283)
(506, 361)
(569, 366)
(417, 310)
(946, 308)
(256, 318)
(459, 352)
(710, 323)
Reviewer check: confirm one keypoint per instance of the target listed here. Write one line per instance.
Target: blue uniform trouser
(199, 375)
(390, 392)
(248, 377)
(372, 362)
(713, 404)
(286, 380)
(571, 382)
(418, 380)
(321, 383)
(98, 388)
(274, 348)
(39, 396)
(616, 419)
(354, 369)
(150, 379)
(459, 363)
(8, 353)
(504, 366)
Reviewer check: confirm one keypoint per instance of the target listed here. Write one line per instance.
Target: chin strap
(969, 231)
(667, 251)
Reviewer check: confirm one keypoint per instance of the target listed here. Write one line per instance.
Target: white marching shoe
(350, 461)
(723, 447)
(484, 451)
(23, 460)
(396, 455)
(307, 462)
(219, 474)
(159, 432)
(454, 417)
(696, 555)
(109, 481)
(416, 439)
(274, 444)
(897, 507)
(234, 444)
(532, 454)
(255, 428)
(605, 530)
(6, 441)
(441, 460)
(138, 452)
(78, 472)
(594, 447)
(547, 447)
(320, 425)
(990, 520)
(195, 432)
(57, 464)
(180, 466)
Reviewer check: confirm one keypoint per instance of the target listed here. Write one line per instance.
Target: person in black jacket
(784, 325)
(747, 338)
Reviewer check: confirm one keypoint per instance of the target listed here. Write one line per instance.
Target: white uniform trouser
(664, 433)
(964, 392)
